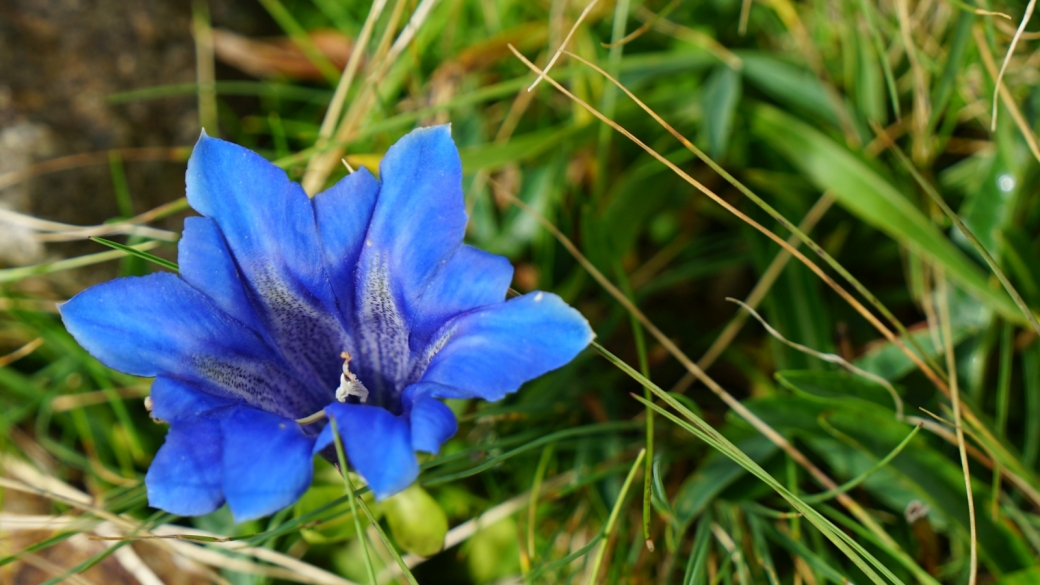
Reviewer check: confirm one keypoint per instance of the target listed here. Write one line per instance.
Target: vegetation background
(660, 169)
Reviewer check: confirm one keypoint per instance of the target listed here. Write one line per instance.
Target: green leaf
(493, 553)
(868, 195)
(720, 98)
(416, 521)
(788, 84)
(832, 387)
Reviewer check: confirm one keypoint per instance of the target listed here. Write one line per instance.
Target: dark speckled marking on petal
(383, 337)
(309, 337)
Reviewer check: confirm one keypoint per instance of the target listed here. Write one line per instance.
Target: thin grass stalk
(951, 364)
(205, 67)
(1023, 126)
(301, 39)
(921, 102)
(322, 165)
(728, 398)
(998, 84)
(644, 368)
(758, 292)
(927, 366)
(532, 507)
(934, 375)
(332, 115)
(608, 530)
(934, 195)
(563, 45)
(855, 552)
(342, 459)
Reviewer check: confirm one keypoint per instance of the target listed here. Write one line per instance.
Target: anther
(349, 385)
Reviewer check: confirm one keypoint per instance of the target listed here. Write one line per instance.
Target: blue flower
(362, 302)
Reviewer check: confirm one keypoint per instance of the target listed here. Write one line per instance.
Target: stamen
(312, 418)
(349, 385)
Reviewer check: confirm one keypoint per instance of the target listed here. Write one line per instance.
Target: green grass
(762, 463)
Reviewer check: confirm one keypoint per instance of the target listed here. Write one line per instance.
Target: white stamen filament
(349, 385)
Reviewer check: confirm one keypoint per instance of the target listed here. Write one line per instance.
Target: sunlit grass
(816, 166)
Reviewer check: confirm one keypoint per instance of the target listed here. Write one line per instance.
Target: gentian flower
(362, 302)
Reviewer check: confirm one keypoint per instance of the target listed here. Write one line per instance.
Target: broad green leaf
(719, 100)
(833, 386)
(788, 84)
(868, 195)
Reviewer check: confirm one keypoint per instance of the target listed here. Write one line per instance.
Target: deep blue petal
(268, 223)
(267, 462)
(158, 325)
(343, 213)
(206, 264)
(470, 279)
(377, 443)
(492, 351)
(432, 421)
(417, 223)
(185, 478)
(173, 400)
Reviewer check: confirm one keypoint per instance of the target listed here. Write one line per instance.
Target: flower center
(349, 385)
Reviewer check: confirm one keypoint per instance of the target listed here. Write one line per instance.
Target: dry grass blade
(844, 294)
(933, 373)
(922, 108)
(761, 426)
(563, 45)
(205, 67)
(758, 293)
(289, 568)
(1016, 114)
(21, 352)
(645, 27)
(951, 361)
(332, 115)
(61, 232)
(706, 42)
(937, 198)
(129, 560)
(68, 402)
(321, 165)
(827, 357)
(172, 153)
(1007, 59)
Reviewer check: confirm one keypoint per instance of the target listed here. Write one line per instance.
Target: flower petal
(377, 443)
(432, 421)
(417, 223)
(420, 217)
(268, 223)
(343, 213)
(158, 325)
(470, 279)
(186, 476)
(173, 400)
(492, 351)
(206, 264)
(267, 462)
